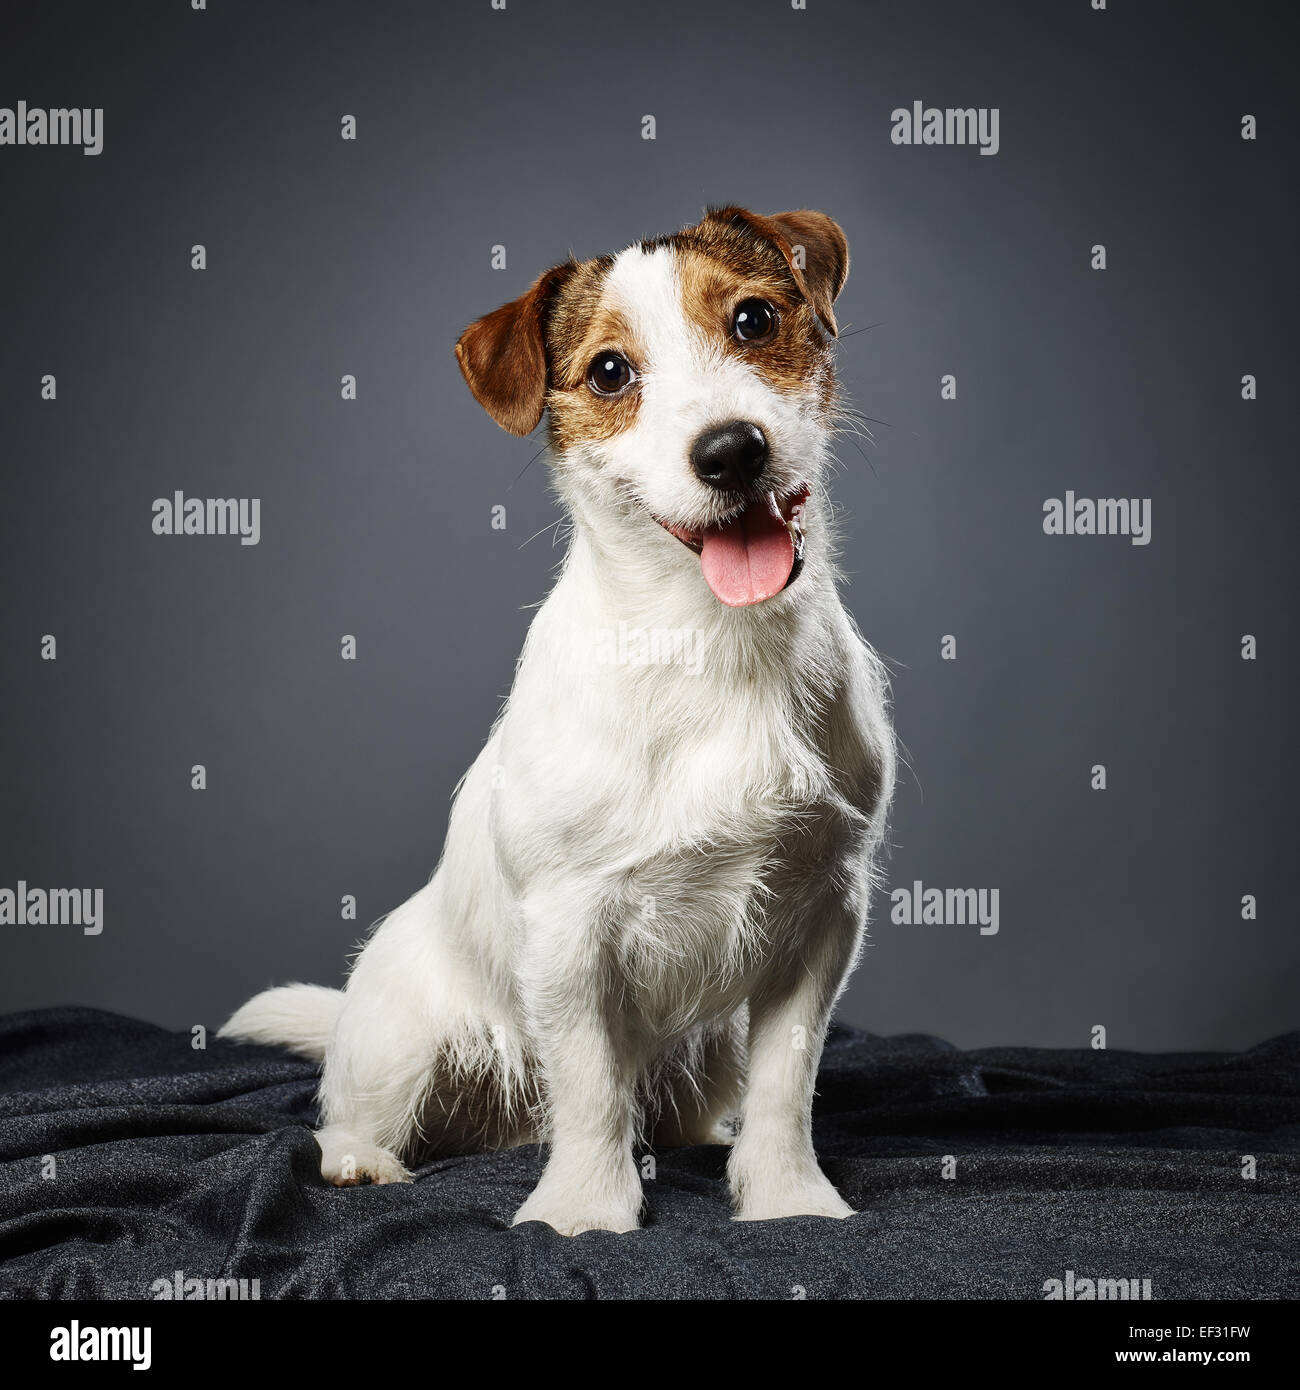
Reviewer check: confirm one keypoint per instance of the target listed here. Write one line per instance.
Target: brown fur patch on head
(533, 353)
(583, 324)
(813, 245)
(724, 260)
(579, 320)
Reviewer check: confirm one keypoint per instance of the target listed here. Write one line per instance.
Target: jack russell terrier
(656, 873)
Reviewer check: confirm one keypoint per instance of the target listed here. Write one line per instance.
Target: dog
(656, 875)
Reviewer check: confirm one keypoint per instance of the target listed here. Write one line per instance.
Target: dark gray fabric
(1113, 1165)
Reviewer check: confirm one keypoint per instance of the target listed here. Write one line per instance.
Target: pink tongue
(749, 558)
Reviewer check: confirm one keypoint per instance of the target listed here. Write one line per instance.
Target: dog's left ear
(503, 356)
(815, 248)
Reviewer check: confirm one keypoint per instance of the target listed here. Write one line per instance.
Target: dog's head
(689, 383)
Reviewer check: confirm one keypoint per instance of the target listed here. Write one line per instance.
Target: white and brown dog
(656, 873)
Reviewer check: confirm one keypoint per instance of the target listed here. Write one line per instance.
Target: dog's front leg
(590, 1182)
(773, 1169)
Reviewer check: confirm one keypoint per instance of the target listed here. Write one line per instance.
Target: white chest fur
(685, 795)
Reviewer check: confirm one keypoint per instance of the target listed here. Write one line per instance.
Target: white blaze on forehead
(681, 369)
(644, 287)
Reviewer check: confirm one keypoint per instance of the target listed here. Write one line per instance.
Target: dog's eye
(609, 374)
(754, 321)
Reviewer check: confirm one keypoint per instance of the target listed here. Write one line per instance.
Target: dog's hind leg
(348, 1160)
(392, 1058)
(376, 1070)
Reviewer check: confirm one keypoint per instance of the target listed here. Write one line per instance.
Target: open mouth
(755, 553)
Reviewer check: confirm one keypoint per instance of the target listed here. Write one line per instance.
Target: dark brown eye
(754, 321)
(609, 374)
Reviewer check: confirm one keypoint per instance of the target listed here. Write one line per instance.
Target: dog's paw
(570, 1221)
(346, 1161)
(572, 1210)
(774, 1209)
(814, 1196)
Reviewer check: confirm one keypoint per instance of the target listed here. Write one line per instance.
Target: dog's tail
(299, 1017)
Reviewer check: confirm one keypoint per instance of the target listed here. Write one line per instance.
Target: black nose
(731, 456)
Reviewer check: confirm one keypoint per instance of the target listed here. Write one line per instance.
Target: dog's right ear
(503, 356)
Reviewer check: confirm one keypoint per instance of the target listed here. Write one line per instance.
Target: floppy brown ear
(814, 247)
(503, 356)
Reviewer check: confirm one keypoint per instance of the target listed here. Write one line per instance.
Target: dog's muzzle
(755, 553)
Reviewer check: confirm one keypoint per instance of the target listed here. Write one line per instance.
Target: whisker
(865, 459)
(550, 525)
(527, 466)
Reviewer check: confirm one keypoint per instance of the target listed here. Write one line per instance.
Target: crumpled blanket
(129, 1161)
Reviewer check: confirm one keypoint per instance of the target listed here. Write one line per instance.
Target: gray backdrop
(475, 127)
